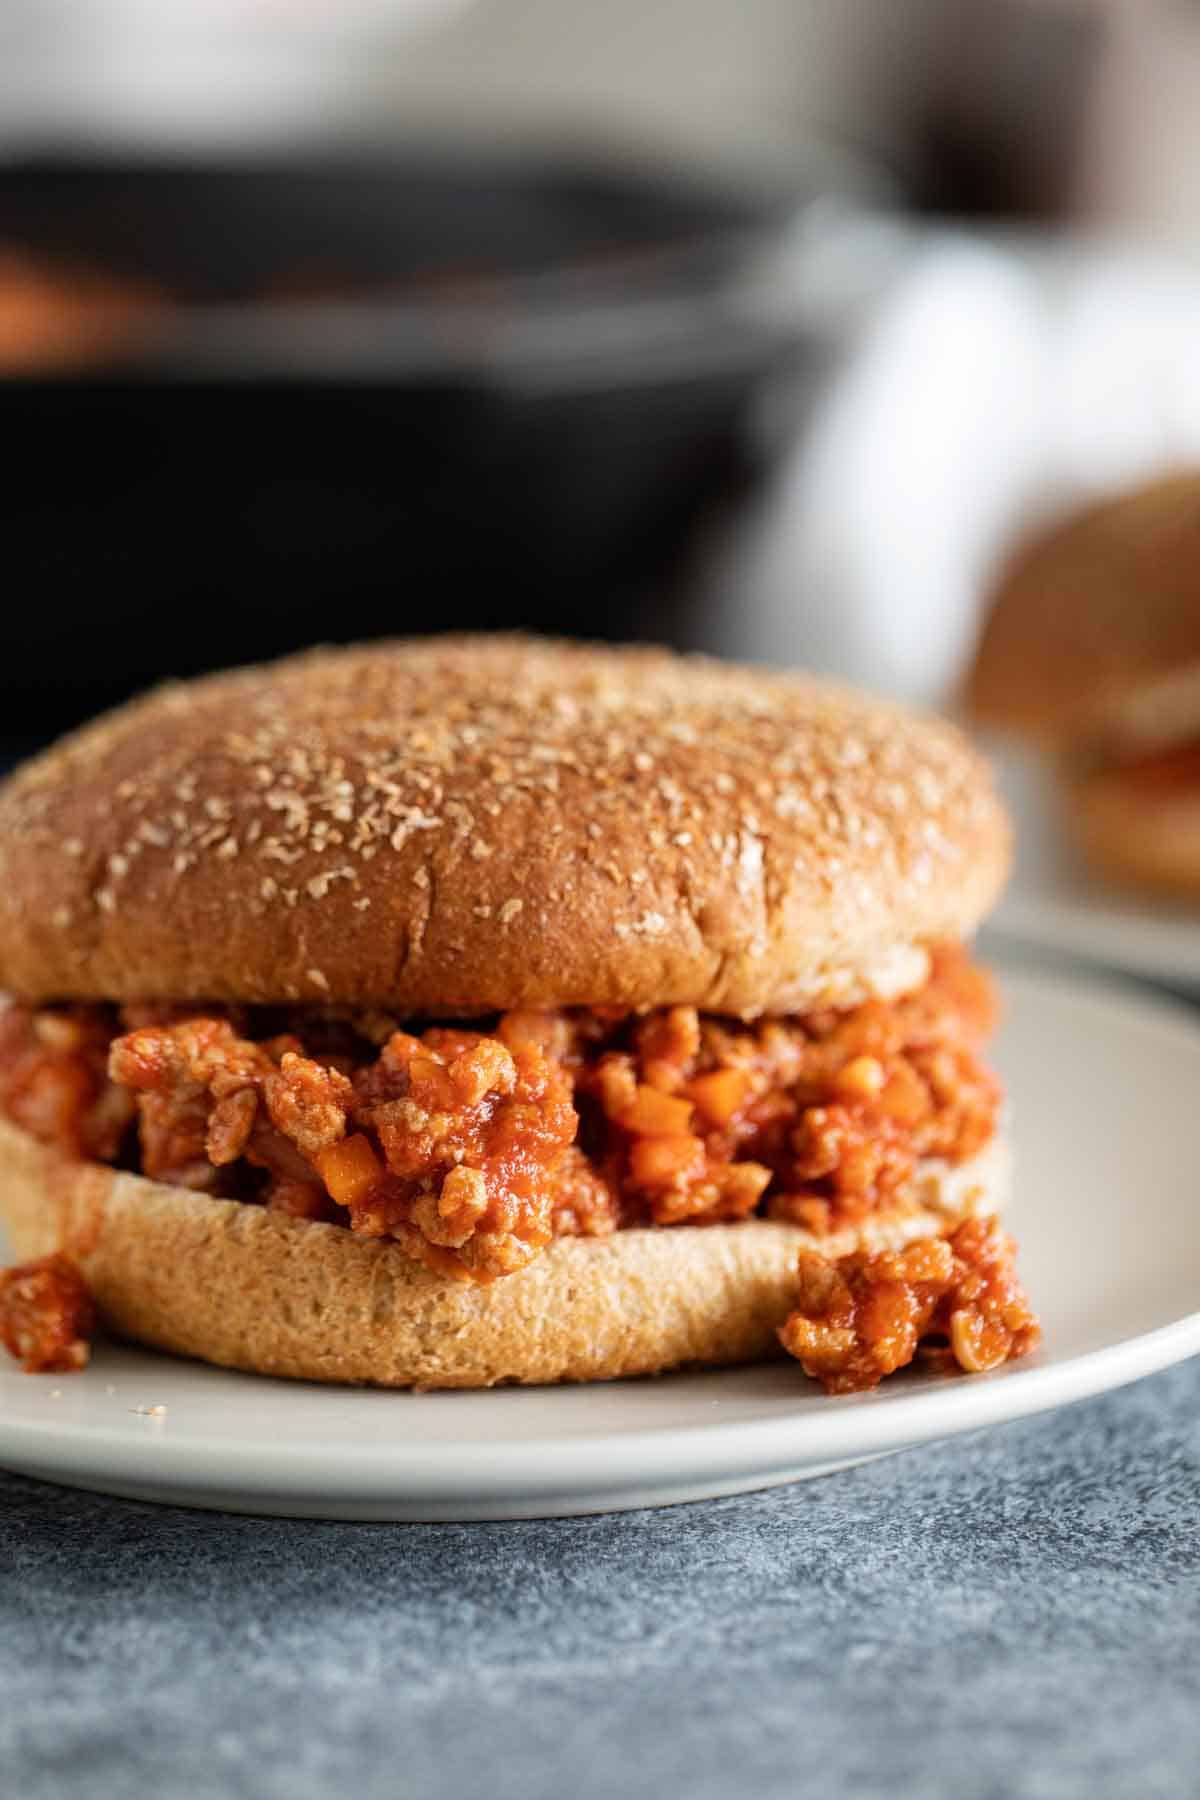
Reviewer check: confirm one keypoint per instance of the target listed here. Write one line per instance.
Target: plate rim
(757, 1448)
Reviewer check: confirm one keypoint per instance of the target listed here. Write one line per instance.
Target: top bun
(1094, 629)
(459, 825)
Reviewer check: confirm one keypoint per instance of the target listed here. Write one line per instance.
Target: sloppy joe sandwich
(1091, 649)
(477, 1010)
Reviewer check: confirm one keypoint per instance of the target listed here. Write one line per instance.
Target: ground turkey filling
(954, 1300)
(476, 1147)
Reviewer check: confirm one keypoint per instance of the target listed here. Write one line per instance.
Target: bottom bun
(1136, 835)
(257, 1290)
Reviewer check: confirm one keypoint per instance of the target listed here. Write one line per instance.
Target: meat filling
(957, 1298)
(46, 1315)
(476, 1147)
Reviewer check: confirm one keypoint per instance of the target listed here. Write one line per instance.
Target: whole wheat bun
(463, 825)
(1135, 835)
(251, 1289)
(1093, 631)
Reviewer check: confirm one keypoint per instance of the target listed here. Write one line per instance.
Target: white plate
(1104, 1091)
(1055, 902)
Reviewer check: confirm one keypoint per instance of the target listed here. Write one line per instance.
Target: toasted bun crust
(463, 825)
(1136, 836)
(1086, 616)
(250, 1289)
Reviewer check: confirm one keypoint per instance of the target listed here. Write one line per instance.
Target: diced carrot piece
(431, 1085)
(667, 1077)
(660, 1161)
(904, 1097)
(862, 1078)
(742, 1185)
(720, 1094)
(349, 1169)
(652, 1114)
(618, 1088)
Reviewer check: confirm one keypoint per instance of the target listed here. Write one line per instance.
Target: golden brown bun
(1138, 837)
(1086, 616)
(463, 825)
(256, 1290)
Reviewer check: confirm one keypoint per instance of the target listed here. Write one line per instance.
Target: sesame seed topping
(650, 924)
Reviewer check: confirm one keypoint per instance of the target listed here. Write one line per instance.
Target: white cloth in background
(991, 383)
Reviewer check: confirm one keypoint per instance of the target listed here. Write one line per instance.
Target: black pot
(517, 397)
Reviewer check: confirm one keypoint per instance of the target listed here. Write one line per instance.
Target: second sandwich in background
(1091, 651)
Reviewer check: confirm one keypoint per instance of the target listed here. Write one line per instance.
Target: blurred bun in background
(1093, 635)
(1091, 649)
